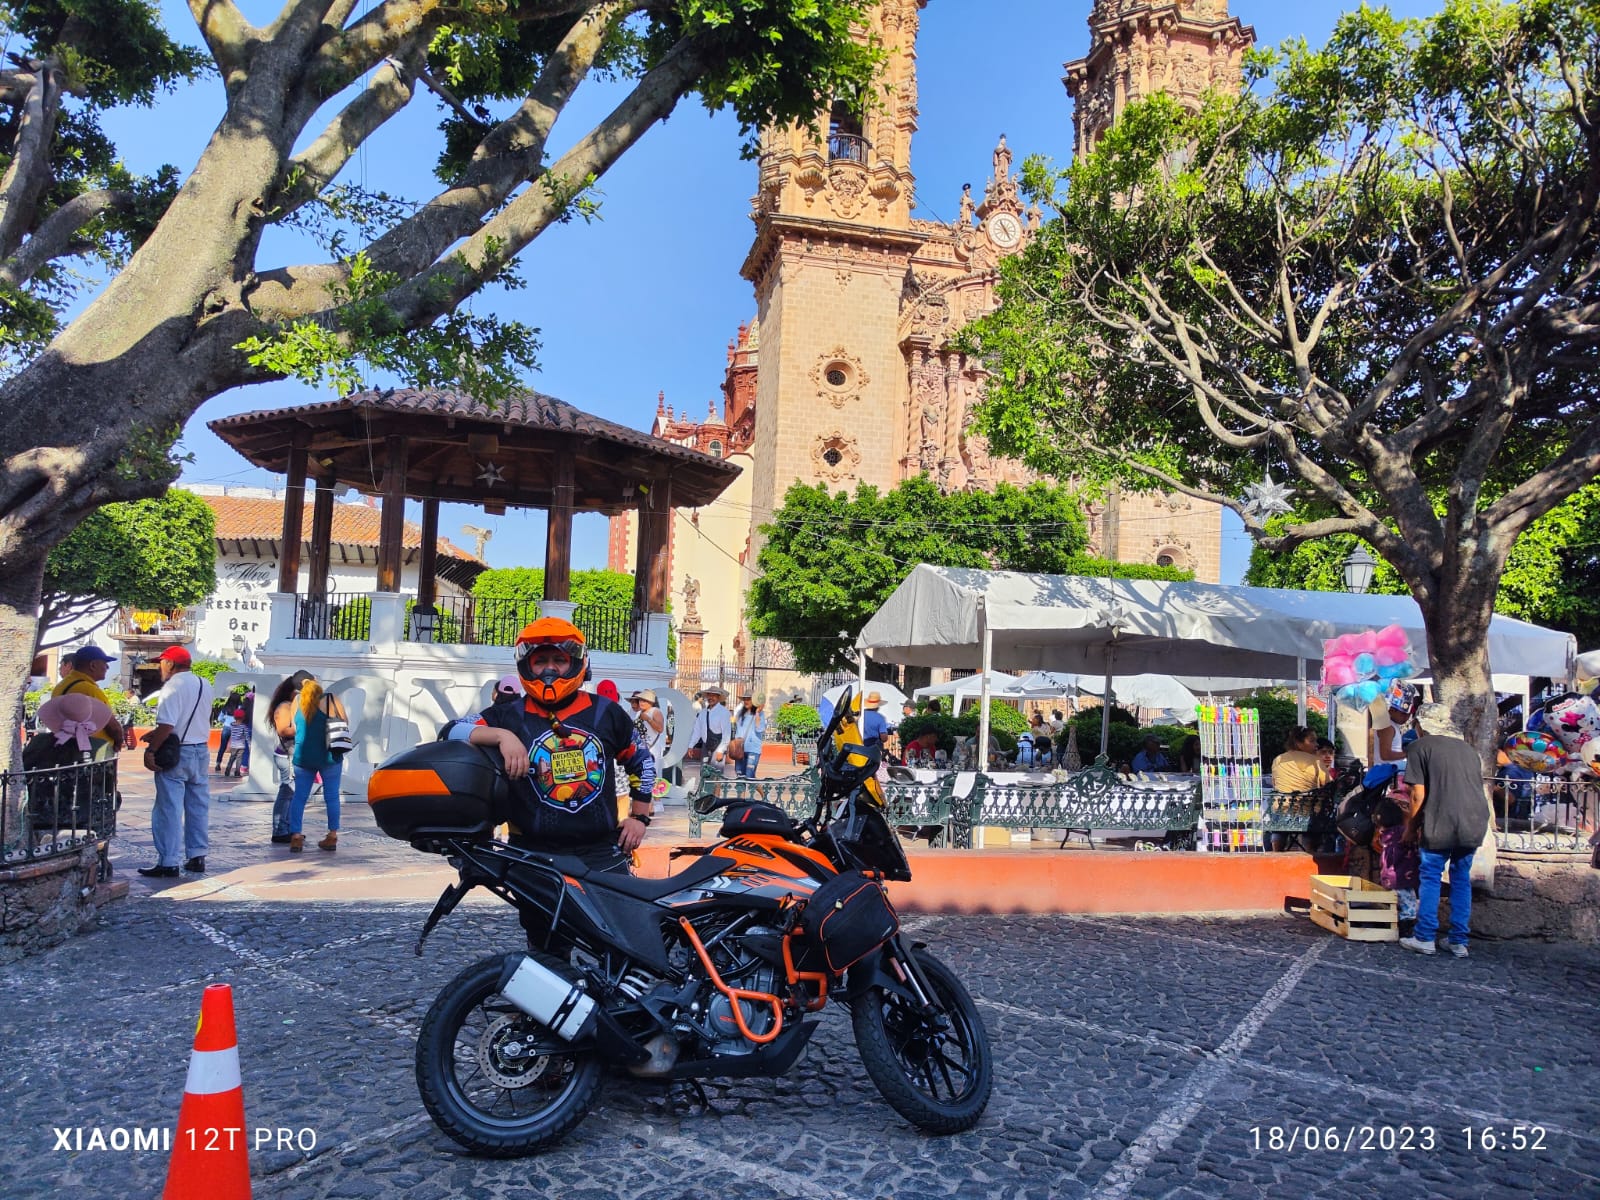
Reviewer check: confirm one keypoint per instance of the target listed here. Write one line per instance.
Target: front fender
(877, 970)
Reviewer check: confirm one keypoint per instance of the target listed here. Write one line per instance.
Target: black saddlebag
(847, 918)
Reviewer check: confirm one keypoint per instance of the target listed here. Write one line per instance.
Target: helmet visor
(573, 650)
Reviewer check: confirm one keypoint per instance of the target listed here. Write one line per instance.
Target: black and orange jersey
(570, 789)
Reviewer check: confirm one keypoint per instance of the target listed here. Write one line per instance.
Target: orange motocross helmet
(550, 688)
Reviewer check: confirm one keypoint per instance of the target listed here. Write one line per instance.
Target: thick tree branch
(30, 170)
(227, 34)
(318, 164)
(443, 286)
(56, 236)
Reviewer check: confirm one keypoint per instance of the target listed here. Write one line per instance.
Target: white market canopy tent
(942, 616)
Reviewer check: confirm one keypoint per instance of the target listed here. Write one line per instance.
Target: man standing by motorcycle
(561, 747)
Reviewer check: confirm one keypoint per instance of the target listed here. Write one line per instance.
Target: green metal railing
(1097, 798)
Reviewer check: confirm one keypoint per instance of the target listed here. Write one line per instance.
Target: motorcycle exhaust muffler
(565, 1008)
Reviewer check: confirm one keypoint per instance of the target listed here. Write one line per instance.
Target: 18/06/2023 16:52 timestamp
(1358, 1139)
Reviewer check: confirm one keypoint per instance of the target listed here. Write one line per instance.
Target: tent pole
(1105, 701)
(861, 662)
(1300, 708)
(983, 701)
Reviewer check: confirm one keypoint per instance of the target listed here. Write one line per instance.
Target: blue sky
(646, 298)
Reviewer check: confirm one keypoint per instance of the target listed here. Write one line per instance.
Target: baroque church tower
(847, 373)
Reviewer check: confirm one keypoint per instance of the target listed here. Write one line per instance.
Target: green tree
(1552, 575)
(509, 597)
(1375, 273)
(156, 554)
(204, 306)
(829, 561)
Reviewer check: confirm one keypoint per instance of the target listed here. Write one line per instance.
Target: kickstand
(683, 1096)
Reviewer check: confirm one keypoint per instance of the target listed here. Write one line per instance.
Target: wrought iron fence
(337, 616)
(609, 628)
(56, 811)
(1546, 814)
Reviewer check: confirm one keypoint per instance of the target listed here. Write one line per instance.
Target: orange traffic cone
(209, 1159)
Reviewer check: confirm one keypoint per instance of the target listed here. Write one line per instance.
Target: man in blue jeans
(1449, 816)
(179, 822)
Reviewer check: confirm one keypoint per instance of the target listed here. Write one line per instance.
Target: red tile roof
(246, 518)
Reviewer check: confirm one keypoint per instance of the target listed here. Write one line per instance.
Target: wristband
(644, 820)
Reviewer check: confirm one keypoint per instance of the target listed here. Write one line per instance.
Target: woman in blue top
(750, 728)
(312, 758)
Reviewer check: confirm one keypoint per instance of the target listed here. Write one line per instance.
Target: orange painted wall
(1039, 881)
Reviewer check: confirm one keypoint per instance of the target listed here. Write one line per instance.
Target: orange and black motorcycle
(714, 972)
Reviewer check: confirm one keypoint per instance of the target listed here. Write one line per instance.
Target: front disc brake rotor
(510, 1056)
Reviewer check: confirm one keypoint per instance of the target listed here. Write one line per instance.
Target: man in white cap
(713, 728)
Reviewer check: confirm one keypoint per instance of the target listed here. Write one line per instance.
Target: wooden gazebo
(532, 451)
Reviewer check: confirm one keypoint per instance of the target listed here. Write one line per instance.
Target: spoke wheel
(934, 1069)
(493, 1078)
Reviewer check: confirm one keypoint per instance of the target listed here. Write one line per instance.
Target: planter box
(777, 752)
(1355, 908)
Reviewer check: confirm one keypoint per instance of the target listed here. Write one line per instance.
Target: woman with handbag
(748, 733)
(321, 737)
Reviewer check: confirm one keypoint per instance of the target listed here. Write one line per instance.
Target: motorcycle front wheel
(934, 1069)
(492, 1077)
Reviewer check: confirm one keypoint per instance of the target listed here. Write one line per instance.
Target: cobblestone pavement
(1134, 1057)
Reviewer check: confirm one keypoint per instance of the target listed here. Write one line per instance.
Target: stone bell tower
(834, 237)
(1137, 48)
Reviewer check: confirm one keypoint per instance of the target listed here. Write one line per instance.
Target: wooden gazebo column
(651, 572)
(391, 529)
(294, 509)
(428, 560)
(321, 538)
(558, 532)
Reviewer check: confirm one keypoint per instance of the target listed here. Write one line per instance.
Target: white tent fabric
(1148, 691)
(938, 615)
(1001, 687)
(893, 698)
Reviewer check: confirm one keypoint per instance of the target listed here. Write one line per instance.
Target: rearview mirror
(706, 802)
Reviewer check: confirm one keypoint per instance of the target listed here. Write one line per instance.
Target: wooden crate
(1355, 908)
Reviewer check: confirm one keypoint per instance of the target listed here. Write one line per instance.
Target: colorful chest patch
(567, 769)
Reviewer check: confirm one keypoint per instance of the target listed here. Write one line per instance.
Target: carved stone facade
(847, 373)
(1184, 48)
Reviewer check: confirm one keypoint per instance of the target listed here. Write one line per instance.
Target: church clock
(1005, 230)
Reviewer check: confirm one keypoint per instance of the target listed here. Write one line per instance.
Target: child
(238, 738)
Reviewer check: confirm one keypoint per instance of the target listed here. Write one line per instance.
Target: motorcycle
(714, 972)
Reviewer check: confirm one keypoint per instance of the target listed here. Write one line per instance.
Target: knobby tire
(446, 1072)
(939, 1082)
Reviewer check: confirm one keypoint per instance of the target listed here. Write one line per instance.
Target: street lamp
(1358, 571)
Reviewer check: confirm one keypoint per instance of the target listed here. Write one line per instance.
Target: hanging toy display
(1575, 720)
(1539, 752)
(1359, 667)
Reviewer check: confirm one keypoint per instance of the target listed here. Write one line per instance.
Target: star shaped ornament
(1266, 499)
(490, 474)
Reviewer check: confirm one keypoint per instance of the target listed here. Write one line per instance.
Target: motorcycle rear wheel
(939, 1079)
(478, 1080)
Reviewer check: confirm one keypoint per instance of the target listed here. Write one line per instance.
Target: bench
(925, 806)
(1096, 798)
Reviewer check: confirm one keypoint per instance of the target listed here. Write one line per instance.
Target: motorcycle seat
(642, 888)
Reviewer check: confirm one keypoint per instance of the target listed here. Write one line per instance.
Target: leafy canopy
(152, 554)
(830, 560)
(1374, 273)
(1552, 575)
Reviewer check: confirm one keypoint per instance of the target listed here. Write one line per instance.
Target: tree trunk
(21, 584)
(1458, 653)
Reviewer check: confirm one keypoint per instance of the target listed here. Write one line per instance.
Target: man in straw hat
(713, 728)
(873, 724)
(1449, 816)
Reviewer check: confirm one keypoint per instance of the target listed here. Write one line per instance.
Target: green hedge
(797, 720)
